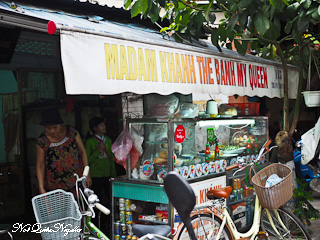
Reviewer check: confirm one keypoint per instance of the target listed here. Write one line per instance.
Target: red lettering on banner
(258, 77)
(230, 78)
(242, 74)
(265, 77)
(216, 66)
(211, 81)
(222, 73)
(205, 71)
(199, 61)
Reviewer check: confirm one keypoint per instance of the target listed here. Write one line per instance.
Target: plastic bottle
(248, 147)
(217, 152)
(207, 153)
(255, 146)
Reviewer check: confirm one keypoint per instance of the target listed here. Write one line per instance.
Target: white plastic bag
(272, 180)
(309, 142)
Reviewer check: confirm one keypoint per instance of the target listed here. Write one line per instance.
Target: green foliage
(304, 210)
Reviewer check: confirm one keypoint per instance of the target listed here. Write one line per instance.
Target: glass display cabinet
(198, 149)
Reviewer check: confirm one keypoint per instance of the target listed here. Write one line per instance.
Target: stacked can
(128, 218)
(120, 230)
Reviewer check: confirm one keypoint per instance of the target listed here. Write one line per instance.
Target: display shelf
(142, 192)
(179, 144)
(245, 199)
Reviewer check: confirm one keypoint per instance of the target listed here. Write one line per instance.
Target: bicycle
(275, 224)
(61, 217)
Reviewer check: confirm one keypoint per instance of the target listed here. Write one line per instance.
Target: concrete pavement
(315, 224)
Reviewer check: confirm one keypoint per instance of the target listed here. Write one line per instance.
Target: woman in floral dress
(60, 154)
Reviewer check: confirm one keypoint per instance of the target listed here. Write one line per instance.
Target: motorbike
(307, 160)
(305, 172)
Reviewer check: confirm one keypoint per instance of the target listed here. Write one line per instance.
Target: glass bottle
(217, 152)
(248, 147)
(207, 153)
(255, 146)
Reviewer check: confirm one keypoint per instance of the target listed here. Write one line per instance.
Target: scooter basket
(275, 196)
(58, 215)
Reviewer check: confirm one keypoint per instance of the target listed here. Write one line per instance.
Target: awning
(103, 57)
(109, 3)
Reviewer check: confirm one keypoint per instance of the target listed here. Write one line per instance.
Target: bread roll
(159, 160)
(163, 153)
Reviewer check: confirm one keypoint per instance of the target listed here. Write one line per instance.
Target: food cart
(178, 144)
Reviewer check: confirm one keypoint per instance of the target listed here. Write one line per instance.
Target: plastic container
(247, 109)
(54, 209)
(312, 98)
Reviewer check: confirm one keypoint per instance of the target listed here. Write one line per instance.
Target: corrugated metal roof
(118, 30)
(109, 3)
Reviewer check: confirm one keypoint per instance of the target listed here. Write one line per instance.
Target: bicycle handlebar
(88, 192)
(103, 209)
(86, 171)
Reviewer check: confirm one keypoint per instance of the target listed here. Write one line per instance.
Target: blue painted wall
(8, 84)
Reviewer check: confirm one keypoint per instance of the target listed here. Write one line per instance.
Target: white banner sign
(202, 187)
(101, 65)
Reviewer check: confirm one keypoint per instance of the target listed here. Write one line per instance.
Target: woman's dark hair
(94, 122)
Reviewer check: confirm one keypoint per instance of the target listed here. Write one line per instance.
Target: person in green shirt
(100, 159)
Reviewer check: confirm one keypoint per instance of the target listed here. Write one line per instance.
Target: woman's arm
(41, 169)
(83, 155)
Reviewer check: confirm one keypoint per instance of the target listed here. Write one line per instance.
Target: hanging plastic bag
(137, 140)
(122, 146)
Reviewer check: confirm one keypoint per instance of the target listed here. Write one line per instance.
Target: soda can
(134, 237)
(122, 217)
(235, 193)
(117, 228)
(239, 194)
(129, 230)
(231, 197)
(239, 183)
(242, 193)
(128, 217)
(128, 237)
(251, 190)
(235, 184)
(246, 191)
(123, 237)
(116, 237)
(123, 230)
(127, 204)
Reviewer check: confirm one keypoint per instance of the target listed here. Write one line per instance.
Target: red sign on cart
(180, 134)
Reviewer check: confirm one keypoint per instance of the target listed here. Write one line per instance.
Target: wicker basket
(275, 196)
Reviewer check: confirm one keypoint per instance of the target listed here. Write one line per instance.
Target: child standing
(100, 160)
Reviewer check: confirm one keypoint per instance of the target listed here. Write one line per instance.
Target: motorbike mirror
(182, 197)
(298, 144)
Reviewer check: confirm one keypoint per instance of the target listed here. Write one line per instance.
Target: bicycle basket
(275, 196)
(58, 213)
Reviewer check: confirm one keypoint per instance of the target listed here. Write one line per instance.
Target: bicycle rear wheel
(202, 225)
(294, 228)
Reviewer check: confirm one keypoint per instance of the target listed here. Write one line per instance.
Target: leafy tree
(283, 30)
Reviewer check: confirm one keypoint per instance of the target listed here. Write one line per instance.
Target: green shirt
(100, 166)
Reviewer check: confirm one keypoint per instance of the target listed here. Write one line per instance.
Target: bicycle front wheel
(203, 225)
(292, 227)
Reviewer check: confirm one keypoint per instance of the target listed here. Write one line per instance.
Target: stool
(5, 228)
